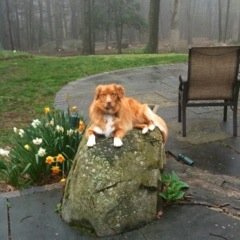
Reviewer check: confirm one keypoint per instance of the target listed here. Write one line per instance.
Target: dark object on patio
(212, 81)
(185, 159)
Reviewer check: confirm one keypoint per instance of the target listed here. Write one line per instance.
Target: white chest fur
(109, 127)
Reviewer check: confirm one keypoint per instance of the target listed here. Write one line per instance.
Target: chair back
(212, 72)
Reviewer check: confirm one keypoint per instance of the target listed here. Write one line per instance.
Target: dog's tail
(159, 122)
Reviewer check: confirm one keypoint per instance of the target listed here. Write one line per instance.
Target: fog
(47, 26)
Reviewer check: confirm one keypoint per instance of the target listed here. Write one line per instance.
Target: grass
(29, 82)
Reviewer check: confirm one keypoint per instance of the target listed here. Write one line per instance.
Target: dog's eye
(103, 96)
(113, 95)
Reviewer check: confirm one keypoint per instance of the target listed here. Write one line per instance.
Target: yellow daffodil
(63, 180)
(49, 160)
(73, 109)
(81, 126)
(55, 170)
(60, 158)
(47, 110)
(27, 147)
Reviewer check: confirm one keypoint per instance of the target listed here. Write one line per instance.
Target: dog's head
(108, 97)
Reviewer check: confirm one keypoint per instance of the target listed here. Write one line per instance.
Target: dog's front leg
(117, 137)
(91, 137)
(90, 134)
(91, 140)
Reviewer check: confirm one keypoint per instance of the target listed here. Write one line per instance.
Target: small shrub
(173, 187)
(45, 149)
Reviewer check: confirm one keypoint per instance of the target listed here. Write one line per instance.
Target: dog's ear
(98, 91)
(120, 91)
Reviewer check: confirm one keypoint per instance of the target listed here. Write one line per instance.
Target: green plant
(45, 148)
(173, 187)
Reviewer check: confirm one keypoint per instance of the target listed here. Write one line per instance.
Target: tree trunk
(189, 22)
(17, 35)
(9, 25)
(87, 27)
(219, 21)
(58, 25)
(49, 17)
(174, 31)
(239, 26)
(40, 31)
(152, 45)
(118, 31)
(226, 22)
(74, 30)
(107, 25)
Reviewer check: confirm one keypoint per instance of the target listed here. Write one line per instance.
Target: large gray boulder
(110, 190)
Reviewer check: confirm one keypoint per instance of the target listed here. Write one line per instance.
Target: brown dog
(113, 114)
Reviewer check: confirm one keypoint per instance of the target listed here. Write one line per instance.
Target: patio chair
(212, 81)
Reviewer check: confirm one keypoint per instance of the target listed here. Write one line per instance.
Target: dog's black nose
(109, 104)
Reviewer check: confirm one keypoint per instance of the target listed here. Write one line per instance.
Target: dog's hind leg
(158, 122)
(145, 127)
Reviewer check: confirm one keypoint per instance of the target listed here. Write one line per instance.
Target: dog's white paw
(144, 130)
(117, 142)
(151, 127)
(91, 140)
(98, 130)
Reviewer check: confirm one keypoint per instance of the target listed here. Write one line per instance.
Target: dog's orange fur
(125, 113)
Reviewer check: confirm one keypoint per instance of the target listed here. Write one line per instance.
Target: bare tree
(107, 24)
(152, 45)
(49, 18)
(174, 31)
(74, 19)
(238, 37)
(40, 31)
(219, 21)
(17, 26)
(189, 22)
(226, 21)
(58, 24)
(9, 25)
(87, 23)
(118, 11)
(29, 23)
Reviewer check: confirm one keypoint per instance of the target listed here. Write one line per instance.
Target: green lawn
(29, 83)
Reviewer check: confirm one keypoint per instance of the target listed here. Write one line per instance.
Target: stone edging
(31, 190)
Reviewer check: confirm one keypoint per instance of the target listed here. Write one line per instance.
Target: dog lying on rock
(113, 114)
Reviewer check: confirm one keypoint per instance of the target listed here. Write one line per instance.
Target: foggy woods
(85, 26)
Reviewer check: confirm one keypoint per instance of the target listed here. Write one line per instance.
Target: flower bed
(43, 152)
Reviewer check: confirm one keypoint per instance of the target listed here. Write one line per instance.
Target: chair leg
(225, 114)
(183, 120)
(235, 121)
(179, 108)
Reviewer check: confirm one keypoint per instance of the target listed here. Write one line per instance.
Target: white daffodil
(35, 123)
(41, 152)
(37, 141)
(70, 132)
(52, 122)
(21, 132)
(59, 129)
(4, 152)
(15, 130)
